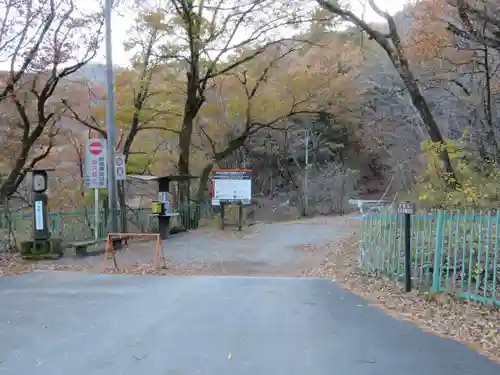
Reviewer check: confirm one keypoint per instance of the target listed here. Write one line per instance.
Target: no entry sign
(96, 147)
(96, 171)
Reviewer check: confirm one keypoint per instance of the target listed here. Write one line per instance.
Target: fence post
(362, 241)
(368, 248)
(407, 209)
(56, 221)
(436, 270)
(407, 233)
(222, 216)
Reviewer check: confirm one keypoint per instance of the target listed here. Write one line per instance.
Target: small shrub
(476, 187)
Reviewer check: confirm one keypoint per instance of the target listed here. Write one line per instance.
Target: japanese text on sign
(232, 185)
(406, 208)
(95, 163)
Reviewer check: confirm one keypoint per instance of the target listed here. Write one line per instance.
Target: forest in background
(408, 107)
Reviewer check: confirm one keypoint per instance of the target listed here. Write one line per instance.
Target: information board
(232, 186)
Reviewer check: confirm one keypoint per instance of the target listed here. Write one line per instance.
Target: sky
(121, 23)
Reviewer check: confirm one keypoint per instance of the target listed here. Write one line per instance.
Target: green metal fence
(450, 251)
(78, 225)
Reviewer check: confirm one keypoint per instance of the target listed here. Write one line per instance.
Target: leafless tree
(42, 42)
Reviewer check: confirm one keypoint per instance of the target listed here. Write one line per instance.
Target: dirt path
(279, 249)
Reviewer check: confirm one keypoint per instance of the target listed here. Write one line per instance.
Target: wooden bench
(365, 205)
(81, 246)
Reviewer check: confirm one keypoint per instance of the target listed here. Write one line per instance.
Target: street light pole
(110, 118)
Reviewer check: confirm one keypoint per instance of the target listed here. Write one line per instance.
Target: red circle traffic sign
(95, 148)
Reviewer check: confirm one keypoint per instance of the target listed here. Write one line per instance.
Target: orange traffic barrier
(111, 251)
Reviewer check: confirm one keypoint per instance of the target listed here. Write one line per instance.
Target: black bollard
(407, 209)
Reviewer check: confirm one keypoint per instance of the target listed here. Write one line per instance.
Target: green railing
(450, 252)
(79, 225)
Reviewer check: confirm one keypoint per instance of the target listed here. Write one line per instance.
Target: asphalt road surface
(81, 324)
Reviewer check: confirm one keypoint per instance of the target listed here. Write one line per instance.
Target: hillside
(405, 107)
(95, 73)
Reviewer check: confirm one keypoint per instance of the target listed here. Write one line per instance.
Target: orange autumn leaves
(282, 81)
(429, 37)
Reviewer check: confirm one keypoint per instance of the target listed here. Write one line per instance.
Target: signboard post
(96, 175)
(96, 171)
(42, 244)
(40, 212)
(407, 209)
(232, 186)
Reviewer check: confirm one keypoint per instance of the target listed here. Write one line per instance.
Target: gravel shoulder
(277, 249)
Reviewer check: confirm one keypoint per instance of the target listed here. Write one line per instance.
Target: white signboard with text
(39, 225)
(232, 186)
(96, 171)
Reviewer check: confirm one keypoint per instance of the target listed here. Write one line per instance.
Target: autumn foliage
(208, 97)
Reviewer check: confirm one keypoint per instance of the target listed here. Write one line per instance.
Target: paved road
(81, 324)
(275, 249)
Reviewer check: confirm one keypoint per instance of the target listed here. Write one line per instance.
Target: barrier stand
(110, 249)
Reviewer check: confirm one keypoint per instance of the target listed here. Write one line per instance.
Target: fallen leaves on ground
(12, 264)
(223, 268)
(474, 324)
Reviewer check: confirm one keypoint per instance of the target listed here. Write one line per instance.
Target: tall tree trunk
(392, 45)
(427, 117)
(203, 183)
(194, 101)
(185, 153)
(194, 95)
(488, 107)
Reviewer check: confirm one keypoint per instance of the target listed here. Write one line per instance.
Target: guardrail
(454, 252)
(367, 205)
(78, 225)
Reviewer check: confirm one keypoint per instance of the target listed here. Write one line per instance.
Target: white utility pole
(110, 117)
